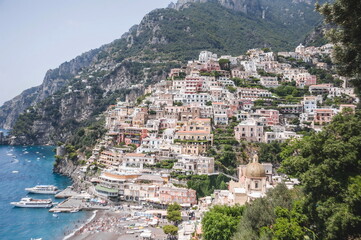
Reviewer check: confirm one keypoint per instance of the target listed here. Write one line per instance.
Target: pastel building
(249, 130)
(323, 116)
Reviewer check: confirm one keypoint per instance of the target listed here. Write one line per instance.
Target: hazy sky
(37, 35)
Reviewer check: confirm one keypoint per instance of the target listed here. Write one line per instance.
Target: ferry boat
(33, 203)
(43, 189)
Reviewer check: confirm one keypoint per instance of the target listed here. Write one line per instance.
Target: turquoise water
(34, 166)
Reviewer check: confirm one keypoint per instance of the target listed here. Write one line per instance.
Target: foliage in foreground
(329, 166)
(260, 215)
(221, 222)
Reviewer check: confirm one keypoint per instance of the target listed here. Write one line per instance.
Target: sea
(27, 166)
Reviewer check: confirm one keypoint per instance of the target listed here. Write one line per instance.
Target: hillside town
(153, 144)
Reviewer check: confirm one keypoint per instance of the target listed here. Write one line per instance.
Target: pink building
(323, 116)
(272, 116)
(212, 66)
(132, 135)
(305, 79)
(193, 84)
(169, 195)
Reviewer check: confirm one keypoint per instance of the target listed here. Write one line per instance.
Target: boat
(55, 215)
(15, 171)
(33, 203)
(43, 189)
(74, 210)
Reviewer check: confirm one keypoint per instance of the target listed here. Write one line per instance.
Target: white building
(206, 56)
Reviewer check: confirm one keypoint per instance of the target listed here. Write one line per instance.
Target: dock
(76, 204)
(68, 205)
(66, 193)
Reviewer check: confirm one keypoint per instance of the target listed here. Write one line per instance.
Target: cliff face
(74, 94)
(54, 80)
(11, 109)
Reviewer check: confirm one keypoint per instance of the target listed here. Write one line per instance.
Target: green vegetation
(171, 231)
(289, 90)
(270, 152)
(86, 137)
(174, 213)
(325, 76)
(205, 185)
(166, 164)
(142, 98)
(259, 217)
(177, 103)
(208, 28)
(225, 64)
(266, 74)
(71, 152)
(247, 83)
(220, 222)
(336, 101)
(290, 224)
(21, 127)
(328, 165)
(231, 89)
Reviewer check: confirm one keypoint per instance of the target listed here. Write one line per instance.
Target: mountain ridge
(165, 38)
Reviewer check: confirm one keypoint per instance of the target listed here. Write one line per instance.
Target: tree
(270, 152)
(261, 214)
(209, 103)
(171, 231)
(174, 213)
(231, 89)
(290, 224)
(225, 64)
(344, 16)
(329, 165)
(221, 222)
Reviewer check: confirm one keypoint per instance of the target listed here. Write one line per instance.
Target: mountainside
(76, 92)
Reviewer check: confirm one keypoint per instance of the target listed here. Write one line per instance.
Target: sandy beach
(111, 225)
(100, 226)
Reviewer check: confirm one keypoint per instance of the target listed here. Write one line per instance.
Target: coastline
(83, 225)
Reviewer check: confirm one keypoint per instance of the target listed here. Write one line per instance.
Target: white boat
(33, 203)
(55, 215)
(43, 189)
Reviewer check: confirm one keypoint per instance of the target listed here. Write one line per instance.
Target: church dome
(255, 169)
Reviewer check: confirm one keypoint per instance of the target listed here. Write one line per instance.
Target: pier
(74, 204)
(66, 193)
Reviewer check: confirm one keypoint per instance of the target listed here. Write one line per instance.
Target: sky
(38, 35)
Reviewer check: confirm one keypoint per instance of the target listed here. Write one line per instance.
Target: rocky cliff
(245, 6)
(74, 94)
(54, 80)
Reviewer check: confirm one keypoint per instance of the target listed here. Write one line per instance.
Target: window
(256, 184)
